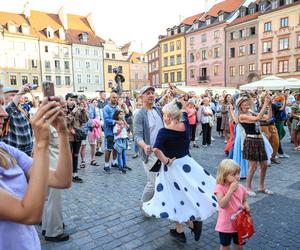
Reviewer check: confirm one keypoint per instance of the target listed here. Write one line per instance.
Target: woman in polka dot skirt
(184, 191)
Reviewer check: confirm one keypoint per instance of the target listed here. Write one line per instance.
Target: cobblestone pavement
(103, 212)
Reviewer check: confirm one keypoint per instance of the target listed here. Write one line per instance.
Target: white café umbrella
(292, 83)
(270, 83)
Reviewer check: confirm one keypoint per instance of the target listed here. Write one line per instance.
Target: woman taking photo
(24, 181)
(254, 147)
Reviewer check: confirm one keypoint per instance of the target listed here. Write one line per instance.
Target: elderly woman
(24, 181)
(184, 191)
(254, 147)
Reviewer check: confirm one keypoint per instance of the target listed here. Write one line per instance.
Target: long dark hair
(116, 114)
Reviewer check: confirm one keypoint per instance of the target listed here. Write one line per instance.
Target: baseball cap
(70, 95)
(9, 90)
(145, 89)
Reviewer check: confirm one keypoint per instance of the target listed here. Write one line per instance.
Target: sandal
(266, 191)
(251, 193)
(82, 164)
(94, 163)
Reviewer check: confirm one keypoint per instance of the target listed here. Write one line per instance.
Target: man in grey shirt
(147, 122)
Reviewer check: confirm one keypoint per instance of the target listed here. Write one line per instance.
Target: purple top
(14, 235)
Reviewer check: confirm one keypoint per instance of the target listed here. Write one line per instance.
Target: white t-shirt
(155, 124)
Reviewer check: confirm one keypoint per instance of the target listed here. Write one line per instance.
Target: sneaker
(135, 156)
(107, 169)
(197, 230)
(275, 161)
(77, 179)
(123, 170)
(212, 139)
(98, 153)
(204, 146)
(128, 168)
(178, 236)
(114, 165)
(283, 156)
(129, 148)
(59, 238)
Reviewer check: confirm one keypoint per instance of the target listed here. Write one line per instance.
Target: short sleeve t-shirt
(224, 222)
(155, 124)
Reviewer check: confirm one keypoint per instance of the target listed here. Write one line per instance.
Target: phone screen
(48, 89)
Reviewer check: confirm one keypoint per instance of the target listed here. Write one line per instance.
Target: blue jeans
(122, 159)
(136, 148)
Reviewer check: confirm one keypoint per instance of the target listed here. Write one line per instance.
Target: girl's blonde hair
(225, 168)
(173, 109)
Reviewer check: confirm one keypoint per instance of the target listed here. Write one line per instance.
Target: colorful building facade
(154, 66)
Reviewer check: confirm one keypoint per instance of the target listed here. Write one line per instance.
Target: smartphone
(34, 86)
(48, 89)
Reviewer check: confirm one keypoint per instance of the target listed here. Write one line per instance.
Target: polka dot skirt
(183, 191)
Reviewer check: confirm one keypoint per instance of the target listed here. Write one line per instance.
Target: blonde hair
(226, 167)
(173, 110)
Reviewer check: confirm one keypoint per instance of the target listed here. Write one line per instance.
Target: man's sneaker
(98, 153)
(179, 236)
(107, 169)
(114, 165)
(77, 179)
(59, 238)
(123, 170)
(283, 156)
(128, 168)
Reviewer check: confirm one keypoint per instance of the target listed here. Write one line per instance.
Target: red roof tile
(227, 6)
(191, 19)
(244, 18)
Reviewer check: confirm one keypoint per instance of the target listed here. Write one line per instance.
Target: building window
(58, 80)
(57, 64)
(120, 69)
(192, 41)
(252, 31)
(172, 61)
(178, 45)
(286, 2)
(172, 77)
(106, 55)
(66, 51)
(35, 80)
(232, 71)
(204, 54)
(266, 68)
(275, 4)
(88, 78)
(67, 65)
(47, 64)
(13, 80)
(231, 36)
(267, 47)
(242, 33)
(77, 51)
(252, 10)
(96, 66)
(216, 52)
(242, 70)
(242, 50)
(109, 70)
(34, 64)
(192, 57)
(178, 59)
(113, 56)
(166, 77)
(298, 64)
(283, 43)
(78, 78)
(267, 27)
(87, 52)
(283, 66)
(298, 41)
(232, 52)
(95, 52)
(179, 76)
(284, 22)
(48, 78)
(97, 79)
(46, 49)
(252, 49)
(78, 64)
(203, 38)
(67, 80)
(221, 17)
(252, 67)
(216, 70)
(165, 61)
(172, 46)
(87, 65)
(217, 34)
(192, 74)
(165, 48)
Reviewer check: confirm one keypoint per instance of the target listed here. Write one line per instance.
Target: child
(120, 139)
(232, 197)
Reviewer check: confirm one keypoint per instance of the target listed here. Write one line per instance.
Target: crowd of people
(44, 144)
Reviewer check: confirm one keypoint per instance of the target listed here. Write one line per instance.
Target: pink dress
(224, 222)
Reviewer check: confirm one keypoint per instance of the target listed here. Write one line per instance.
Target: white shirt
(155, 124)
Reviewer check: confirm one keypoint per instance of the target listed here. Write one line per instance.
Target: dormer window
(24, 29)
(11, 26)
(175, 29)
(288, 2)
(275, 4)
(252, 10)
(49, 33)
(169, 32)
(221, 18)
(262, 6)
(182, 29)
(208, 21)
(61, 34)
(243, 12)
(83, 37)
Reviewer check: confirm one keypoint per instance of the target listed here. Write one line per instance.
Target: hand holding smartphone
(48, 89)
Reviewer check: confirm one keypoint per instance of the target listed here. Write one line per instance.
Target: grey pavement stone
(103, 212)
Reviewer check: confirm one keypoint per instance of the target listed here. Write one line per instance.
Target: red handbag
(244, 226)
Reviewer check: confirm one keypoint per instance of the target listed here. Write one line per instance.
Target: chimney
(90, 21)
(26, 10)
(63, 17)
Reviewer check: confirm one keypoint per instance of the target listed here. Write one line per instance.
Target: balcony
(203, 78)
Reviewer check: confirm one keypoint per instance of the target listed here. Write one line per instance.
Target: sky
(137, 21)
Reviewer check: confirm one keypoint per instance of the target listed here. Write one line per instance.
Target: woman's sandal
(251, 193)
(94, 163)
(82, 164)
(266, 191)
